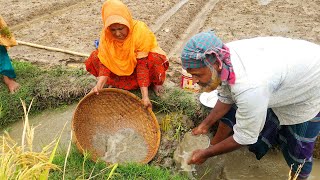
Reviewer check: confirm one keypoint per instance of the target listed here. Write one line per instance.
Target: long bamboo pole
(52, 48)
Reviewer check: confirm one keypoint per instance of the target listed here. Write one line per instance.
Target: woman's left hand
(146, 102)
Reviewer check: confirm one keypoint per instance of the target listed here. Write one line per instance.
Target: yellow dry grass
(294, 176)
(166, 123)
(20, 161)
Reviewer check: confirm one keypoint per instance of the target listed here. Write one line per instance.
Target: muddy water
(242, 165)
(188, 144)
(126, 145)
(48, 125)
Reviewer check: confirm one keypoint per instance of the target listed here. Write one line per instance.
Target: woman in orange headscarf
(128, 56)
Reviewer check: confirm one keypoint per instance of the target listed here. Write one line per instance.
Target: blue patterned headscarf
(204, 49)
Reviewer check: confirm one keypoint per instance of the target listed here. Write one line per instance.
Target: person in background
(7, 40)
(128, 55)
(268, 94)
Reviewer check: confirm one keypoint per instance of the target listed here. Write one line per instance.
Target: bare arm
(100, 84)
(219, 110)
(201, 155)
(224, 146)
(145, 97)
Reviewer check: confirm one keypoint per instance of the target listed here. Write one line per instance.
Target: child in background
(7, 40)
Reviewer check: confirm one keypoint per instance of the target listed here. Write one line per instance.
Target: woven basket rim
(154, 119)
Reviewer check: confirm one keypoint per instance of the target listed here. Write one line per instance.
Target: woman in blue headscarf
(7, 40)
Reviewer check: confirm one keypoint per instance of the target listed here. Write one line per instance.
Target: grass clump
(173, 125)
(178, 100)
(80, 167)
(50, 88)
(136, 171)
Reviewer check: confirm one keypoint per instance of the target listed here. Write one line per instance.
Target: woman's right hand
(100, 84)
(95, 89)
(146, 102)
(201, 129)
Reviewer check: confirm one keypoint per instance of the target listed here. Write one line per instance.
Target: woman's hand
(198, 157)
(145, 97)
(146, 102)
(100, 84)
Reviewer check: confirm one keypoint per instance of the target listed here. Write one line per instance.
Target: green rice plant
(173, 122)
(20, 161)
(179, 128)
(165, 124)
(178, 131)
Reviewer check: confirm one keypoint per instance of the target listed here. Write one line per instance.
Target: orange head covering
(120, 57)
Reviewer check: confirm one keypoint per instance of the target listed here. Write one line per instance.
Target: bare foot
(12, 85)
(158, 89)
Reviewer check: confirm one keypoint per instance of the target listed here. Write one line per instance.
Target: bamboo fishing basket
(109, 111)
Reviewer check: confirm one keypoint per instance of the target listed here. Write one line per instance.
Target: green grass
(57, 86)
(77, 168)
(176, 100)
(50, 88)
